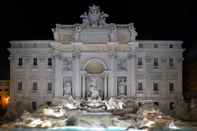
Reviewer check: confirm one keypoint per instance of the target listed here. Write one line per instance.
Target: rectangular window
(171, 62)
(171, 106)
(49, 61)
(140, 45)
(20, 61)
(20, 86)
(170, 46)
(156, 61)
(34, 105)
(139, 61)
(156, 103)
(155, 45)
(171, 87)
(155, 87)
(49, 88)
(35, 61)
(140, 86)
(35, 86)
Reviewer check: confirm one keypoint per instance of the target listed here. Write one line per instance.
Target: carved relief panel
(67, 64)
(121, 64)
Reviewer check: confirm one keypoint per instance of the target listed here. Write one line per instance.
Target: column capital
(76, 53)
(131, 55)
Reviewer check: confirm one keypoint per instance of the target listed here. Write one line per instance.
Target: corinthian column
(76, 77)
(58, 76)
(112, 58)
(105, 85)
(132, 69)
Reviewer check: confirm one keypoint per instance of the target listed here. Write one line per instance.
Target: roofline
(161, 41)
(140, 41)
(30, 41)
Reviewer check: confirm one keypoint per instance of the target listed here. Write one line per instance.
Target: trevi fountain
(93, 81)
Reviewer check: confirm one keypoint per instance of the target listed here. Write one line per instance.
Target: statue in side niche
(67, 89)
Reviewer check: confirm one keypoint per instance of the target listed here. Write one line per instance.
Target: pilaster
(58, 76)
(132, 69)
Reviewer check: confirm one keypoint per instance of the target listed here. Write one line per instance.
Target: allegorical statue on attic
(94, 18)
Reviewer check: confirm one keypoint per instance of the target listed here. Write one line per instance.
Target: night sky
(154, 20)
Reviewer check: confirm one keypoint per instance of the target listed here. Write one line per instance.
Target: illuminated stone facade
(96, 54)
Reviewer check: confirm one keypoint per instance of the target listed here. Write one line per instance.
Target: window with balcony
(20, 86)
(140, 45)
(49, 62)
(35, 61)
(155, 45)
(140, 88)
(171, 62)
(171, 87)
(171, 106)
(139, 62)
(155, 62)
(171, 46)
(35, 86)
(20, 61)
(34, 105)
(155, 88)
(156, 103)
(49, 87)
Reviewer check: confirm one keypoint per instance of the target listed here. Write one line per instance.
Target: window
(140, 86)
(34, 105)
(49, 103)
(49, 87)
(20, 61)
(155, 87)
(171, 87)
(171, 106)
(35, 62)
(171, 46)
(156, 103)
(171, 62)
(155, 45)
(139, 104)
(49, 61)
(35, 86)
(156, 61)
(139, 61)
(20, 86)
(140, 45)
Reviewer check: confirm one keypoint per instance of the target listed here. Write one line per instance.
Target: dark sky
(154, 19)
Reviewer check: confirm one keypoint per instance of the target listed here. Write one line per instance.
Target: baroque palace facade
(95, 54)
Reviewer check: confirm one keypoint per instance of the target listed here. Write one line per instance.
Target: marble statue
(94, 17)
(77, 33)
(122, 86)
(94, 93)
(67, 89)
(92, 88)
(85, 20)
(113, 34)
(133, 33)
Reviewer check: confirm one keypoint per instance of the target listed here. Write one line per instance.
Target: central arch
(95, 76)
(95, 66)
